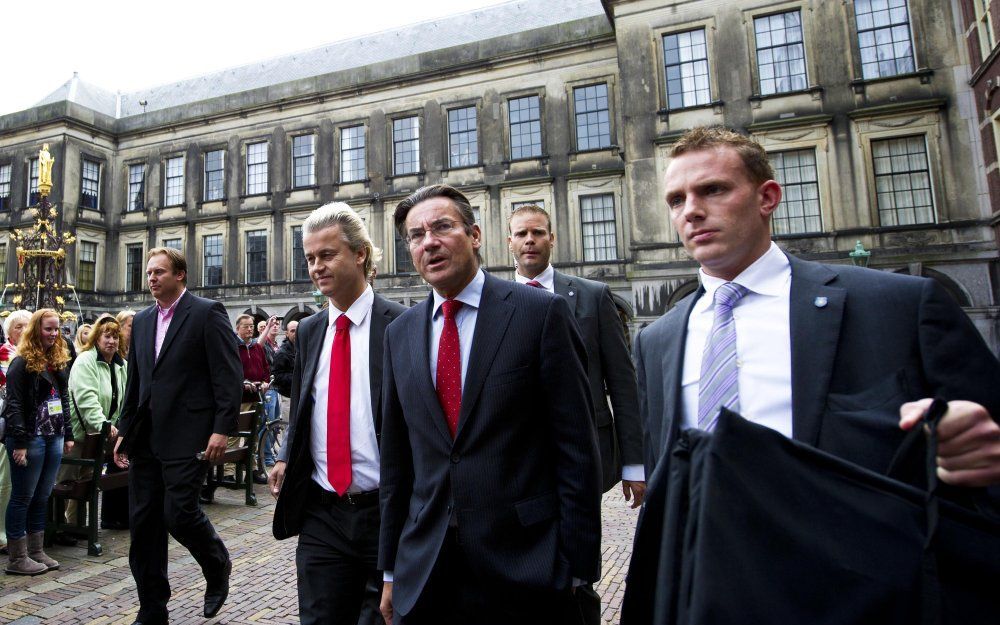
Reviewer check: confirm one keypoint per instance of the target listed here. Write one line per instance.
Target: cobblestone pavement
(100, 590)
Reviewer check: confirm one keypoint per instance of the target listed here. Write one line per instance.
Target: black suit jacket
(878, 340)
(610, 372)
(521, 476)
(192, 390)
(297, 448)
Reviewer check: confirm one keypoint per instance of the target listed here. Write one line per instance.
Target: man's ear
(769, 196)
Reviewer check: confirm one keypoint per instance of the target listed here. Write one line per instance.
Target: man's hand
(264, 386)
(634, 492)
(968, 442)
(386, 606)
(216, 448)
(121, 458)
(113, 433)
(20, 457)
(67, 445)
(276, 478)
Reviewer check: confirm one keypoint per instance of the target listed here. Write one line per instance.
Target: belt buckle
(351, 499)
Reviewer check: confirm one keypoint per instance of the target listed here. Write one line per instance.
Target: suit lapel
(563, 285)
(492, 320)
(420, 358)
(311, 342)
(816, 311)
(180, 316)
(675, 334)
(376, 332)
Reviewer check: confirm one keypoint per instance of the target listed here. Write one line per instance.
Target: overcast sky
(130, 45)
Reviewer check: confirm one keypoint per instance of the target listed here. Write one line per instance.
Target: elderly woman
(124, 319)
(36, 436)
(96, 393)
(13, 327)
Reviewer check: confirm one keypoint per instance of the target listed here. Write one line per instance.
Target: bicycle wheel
(269, 441)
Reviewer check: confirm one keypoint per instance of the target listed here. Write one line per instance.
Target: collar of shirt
(470, 295)
(169, 310)
(547, 278)
(769, 275)
(356, 312)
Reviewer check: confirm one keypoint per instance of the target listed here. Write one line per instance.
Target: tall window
(90, 183)
(257, 168)
(3, 263)
(173, 193)
(5, 186)
(404, 262)
(406, 145)
(903, 181)
(884, 37)
(33, 195)
(256, 256)
(212, 267)
(463, 142)
(136, 185)
(525, 121)
(984, 26)
(799, 210)
(781, 56)
(593, 130)
(352, 153)
(134, 267)
(174, 243)
(304, 160)
(685, 61)
(215, 175)
(86, 274)
(598, 219)
(300, 268)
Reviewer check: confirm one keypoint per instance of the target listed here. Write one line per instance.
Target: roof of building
(496, 21)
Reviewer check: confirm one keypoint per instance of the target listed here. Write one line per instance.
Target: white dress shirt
(465, 320)
(364, 445)
(763, 343)
(630, 472)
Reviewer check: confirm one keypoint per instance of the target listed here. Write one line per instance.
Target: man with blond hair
(327, 475)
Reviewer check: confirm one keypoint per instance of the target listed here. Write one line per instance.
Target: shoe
(259, 477)
(207, 496)
(216, 591)
(36, 544)
(18, 561)
(143, 621)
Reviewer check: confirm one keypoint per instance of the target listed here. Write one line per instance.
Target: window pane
(593, 127)
(463, 143)
(780, 53)
(214, 175)
(134, 267)
(300, 268)
(174, 190)
(799, 210)
(136, 185)
(598, 219)
(304, 161)
(884, 38)
(5, 173)
(90, 182)
(404, 262)
(524, 118)
(406, 145)
(212, 271)
(688, 58)
(352, 154)
(902, 181)
(256, 256)
(87, 272)
(257, 168)
(33, 195)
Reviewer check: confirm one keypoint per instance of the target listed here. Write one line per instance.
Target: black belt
(330, 498)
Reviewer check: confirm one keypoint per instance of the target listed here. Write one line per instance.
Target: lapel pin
(571, 293)
(820, 302)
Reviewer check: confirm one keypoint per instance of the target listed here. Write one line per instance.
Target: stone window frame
(359, 123)
(856, 32)
(205, 171)
(293, 160)
(247, 146)
(129, 244)
(167, 179)
(221, 256)
(579, 187)
(129, 200)
(32, 178)
(459, 106)
(611, 83)
(99, 166)
(749, 17)
(708, 25)
(245, 240)
(207, 229)
(82, 244)
(391, 123)
(985, 33)
(6, 186)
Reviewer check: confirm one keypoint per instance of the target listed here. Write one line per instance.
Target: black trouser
(114, 503)
(163, 497)
(455, 595)
(336, 560)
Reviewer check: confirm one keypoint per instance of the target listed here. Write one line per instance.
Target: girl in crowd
(114, 503)
(124, 319)
(82, 333)
(12, 329)
(96, 392)
(37, 434)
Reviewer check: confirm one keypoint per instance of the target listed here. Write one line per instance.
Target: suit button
(455, 458)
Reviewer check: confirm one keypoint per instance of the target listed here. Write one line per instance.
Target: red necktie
(449, 366)
(535, 283)
(338, 409)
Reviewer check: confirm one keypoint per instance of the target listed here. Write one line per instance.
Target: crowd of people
(445, 463)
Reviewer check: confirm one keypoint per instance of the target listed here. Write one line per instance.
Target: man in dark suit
(182, 397)
(326, 478)
(490, 476)
(609, 365)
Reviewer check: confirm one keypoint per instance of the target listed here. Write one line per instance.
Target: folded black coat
(747, 526)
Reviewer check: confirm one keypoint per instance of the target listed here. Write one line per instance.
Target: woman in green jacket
(96, 390)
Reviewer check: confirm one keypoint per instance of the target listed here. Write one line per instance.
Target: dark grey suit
(610, 372)
(519, 483)
(338, 543)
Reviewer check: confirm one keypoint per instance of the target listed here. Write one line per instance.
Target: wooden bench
(248, 425)
(96, 450)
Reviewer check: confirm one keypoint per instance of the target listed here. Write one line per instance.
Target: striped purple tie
(719, 384)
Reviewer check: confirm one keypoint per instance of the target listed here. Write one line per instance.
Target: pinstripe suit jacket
(522, 475)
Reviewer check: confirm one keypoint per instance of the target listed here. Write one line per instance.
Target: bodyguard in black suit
(337, 526)
(490, 481)
(182, 398)
(841, 358)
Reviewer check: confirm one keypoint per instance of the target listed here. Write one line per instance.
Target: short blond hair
(176, 257)
(352, 229)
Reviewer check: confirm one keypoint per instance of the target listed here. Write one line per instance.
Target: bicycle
(270, 436)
